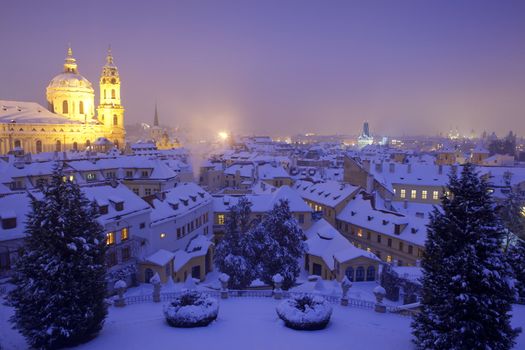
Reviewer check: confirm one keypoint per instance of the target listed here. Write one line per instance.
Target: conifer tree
(59, 277)
(231, 253)
(278, 245)
(467, 284)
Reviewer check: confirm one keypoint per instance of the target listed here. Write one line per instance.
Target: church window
(64, 107)
(81, 107)
(58, 146)
(18, 144)
(115, 120)
(75, 145)
(38, 146)
(113, 94)
(113, 81)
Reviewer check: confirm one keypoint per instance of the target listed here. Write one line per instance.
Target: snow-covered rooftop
(325, 241)
(329, 193)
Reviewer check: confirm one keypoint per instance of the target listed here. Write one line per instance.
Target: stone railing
(169, 296)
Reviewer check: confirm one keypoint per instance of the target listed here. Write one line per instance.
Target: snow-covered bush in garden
(305, 312)
(191, 309)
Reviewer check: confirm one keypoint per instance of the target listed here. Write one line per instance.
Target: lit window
(368, 249)
(359, 233)
(220, 219)
(424, 194)
(110, 238)
(403, 193)
(413, 194)
(435, 195)
(124, 234)
(389, 258)
(163, 235)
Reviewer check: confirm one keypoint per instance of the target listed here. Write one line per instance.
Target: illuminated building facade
(69, 122)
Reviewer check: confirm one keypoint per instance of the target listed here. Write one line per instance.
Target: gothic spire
(156, 118)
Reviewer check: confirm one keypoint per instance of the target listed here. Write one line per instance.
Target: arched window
(81, 107)
(360, 274)
(105, 94)
(38, 146)
(113, 80)
(58, 146)
(18, 144)
(65, 110)
(349, 272)
(371, 273)
(115, 120)
(113, 93)
(75, 145)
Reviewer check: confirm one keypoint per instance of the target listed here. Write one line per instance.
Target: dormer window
(8, 223)
(193, 198)
(119, 206)
(103, 209)
(144, 173)
(91, 176)
(129, 173)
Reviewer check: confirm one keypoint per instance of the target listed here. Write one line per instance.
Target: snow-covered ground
(245, 323)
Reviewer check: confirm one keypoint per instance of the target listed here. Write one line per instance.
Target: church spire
(70, 65)
(156, 118)
(109, 57)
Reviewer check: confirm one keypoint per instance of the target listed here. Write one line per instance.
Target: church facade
(69, 122)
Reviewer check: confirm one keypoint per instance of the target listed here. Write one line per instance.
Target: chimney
(392, 167)
(409, 168)
(440, 169)
(366, 165)
(369, 183)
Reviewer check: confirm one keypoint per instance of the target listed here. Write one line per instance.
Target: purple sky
(283, 67)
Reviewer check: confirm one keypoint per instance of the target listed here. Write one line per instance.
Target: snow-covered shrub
(191, 309)
(305, 312)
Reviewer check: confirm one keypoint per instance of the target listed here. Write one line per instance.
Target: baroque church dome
(70, 94)
(70, 78)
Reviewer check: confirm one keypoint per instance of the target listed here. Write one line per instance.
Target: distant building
(365, 138)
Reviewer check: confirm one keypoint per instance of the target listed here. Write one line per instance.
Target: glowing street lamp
(223, 135)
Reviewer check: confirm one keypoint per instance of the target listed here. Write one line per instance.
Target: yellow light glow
(223, 135)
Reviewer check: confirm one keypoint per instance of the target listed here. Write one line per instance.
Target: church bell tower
(110, 111)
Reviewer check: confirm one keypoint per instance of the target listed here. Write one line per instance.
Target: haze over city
(284, 67)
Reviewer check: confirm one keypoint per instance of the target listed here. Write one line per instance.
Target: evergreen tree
(512, 217)
(278, 245)
(231, 253)
(516, 259)
(467, 284)
(511, 213)
(59, 278)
